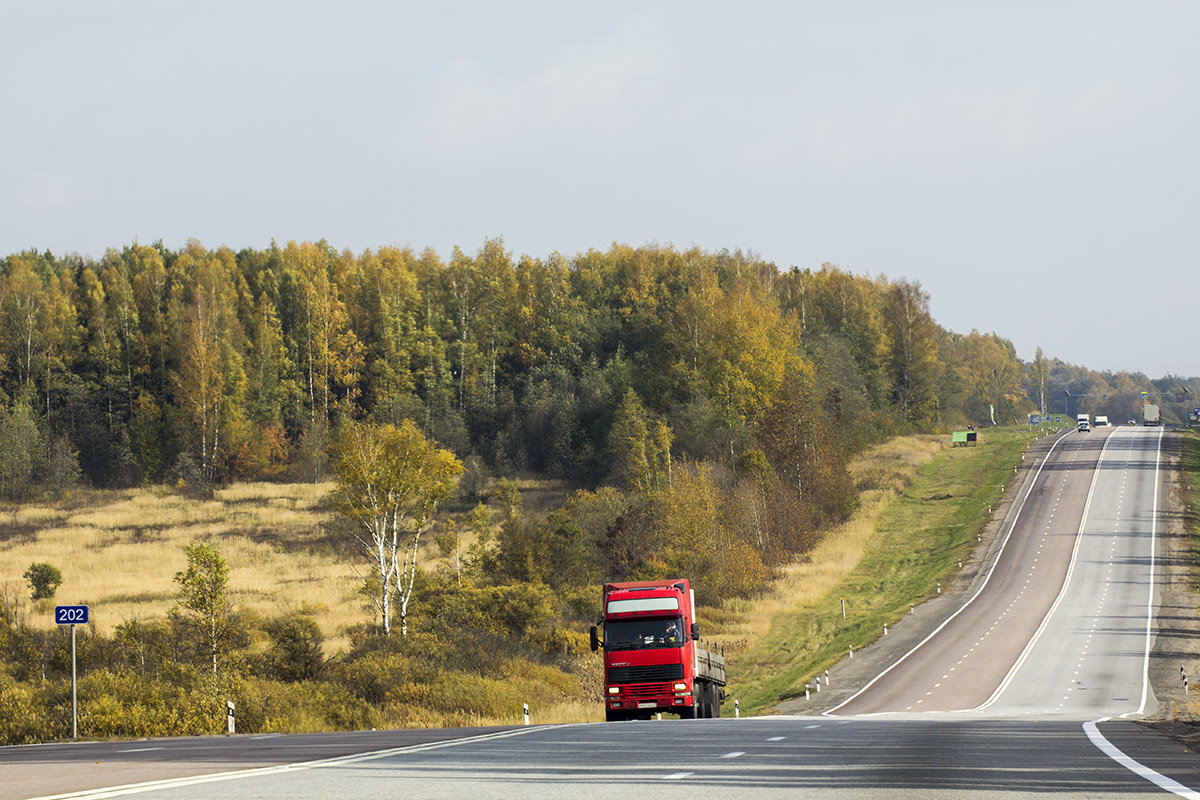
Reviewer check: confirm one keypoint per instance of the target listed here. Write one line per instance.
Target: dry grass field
(118, 551)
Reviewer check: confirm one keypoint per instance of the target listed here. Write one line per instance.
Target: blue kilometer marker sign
(71, 615)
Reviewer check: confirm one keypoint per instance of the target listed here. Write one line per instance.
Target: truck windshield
(643, 634)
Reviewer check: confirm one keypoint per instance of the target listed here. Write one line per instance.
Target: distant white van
(1101, 421)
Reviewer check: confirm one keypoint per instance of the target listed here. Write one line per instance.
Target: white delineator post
(526, 707)
(230, 724)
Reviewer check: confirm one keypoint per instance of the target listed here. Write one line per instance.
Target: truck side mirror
(695, 630)
(595, 638)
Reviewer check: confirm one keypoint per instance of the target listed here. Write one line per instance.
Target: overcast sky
(1032, 164)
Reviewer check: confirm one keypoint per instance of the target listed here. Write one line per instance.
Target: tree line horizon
(151, 364)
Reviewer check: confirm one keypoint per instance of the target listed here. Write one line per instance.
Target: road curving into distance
(1060, 626)
(1019, 694)
(1091, 656)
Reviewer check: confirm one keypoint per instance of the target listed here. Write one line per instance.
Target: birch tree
(22, 297)
(913, 363)
(203, 591)
(200, 382)
(390, 481)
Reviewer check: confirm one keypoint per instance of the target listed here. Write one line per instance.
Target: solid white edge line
(1062, 592)
(999, 555)
(1150, 595)
(1141, 770)
(214, 777)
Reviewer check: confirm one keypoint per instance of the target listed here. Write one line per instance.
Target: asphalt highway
(1090, 659)
(67, 767)
(764, 757)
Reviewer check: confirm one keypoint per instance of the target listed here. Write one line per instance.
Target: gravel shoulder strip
(1176, 648)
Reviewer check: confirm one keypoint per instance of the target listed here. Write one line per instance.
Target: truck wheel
(688, 713)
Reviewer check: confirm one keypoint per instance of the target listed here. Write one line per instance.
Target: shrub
(45, 580)
(124, 704)
(188, 479)
(26, 715)
(307, 706)
(296, 652)
(372, 675)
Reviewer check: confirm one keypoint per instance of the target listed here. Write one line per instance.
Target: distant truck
(1101, 421)
(1083, 422)
(1150, 415)
(653, 661)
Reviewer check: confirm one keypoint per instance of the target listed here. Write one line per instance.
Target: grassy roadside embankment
(923, 503)
(1174, 642)
(1190, 467)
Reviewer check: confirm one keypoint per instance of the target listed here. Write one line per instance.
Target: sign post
(72, 615)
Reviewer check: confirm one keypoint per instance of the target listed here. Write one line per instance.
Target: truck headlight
(680, 687)
(614, 690)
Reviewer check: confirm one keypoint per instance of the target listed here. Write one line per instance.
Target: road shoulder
(1175, 652)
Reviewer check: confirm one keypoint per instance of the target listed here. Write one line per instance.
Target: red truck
(653, 660)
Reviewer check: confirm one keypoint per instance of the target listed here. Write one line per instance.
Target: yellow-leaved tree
(390, 481)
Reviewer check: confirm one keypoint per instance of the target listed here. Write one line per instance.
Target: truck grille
(640, 691)
(646, 674)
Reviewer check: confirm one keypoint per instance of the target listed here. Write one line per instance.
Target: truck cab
(1083, 422)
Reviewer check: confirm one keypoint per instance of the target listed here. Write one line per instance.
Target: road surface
(1061, 626)
(764, 757)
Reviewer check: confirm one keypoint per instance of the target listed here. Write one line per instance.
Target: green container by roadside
(964, 438)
